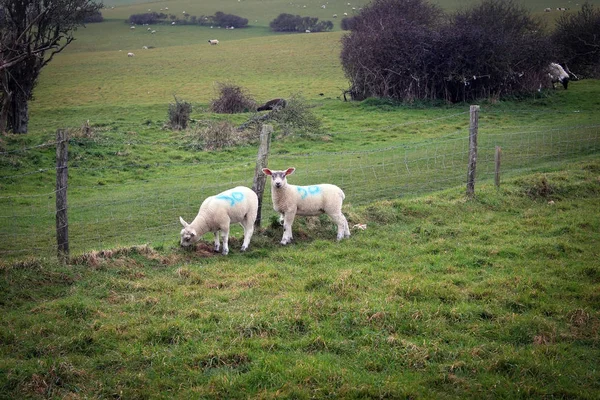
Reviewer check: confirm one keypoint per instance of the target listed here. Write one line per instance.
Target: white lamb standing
(237, 205)
(291, 200)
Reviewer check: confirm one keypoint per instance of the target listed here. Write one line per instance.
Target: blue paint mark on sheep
(233, 198)
(306, 191)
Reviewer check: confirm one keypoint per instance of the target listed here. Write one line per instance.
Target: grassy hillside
(258, 12)
(439, 298)
(262, 12)
(271, 66)
(131, 171)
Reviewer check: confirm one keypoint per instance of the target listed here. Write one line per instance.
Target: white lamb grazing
(291, 200)
(216, 213)
(558, 74)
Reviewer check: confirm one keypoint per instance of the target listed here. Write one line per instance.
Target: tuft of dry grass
(216, 135)
(97, 258)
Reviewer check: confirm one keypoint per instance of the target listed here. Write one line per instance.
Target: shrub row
(219, 19)
(295, 23)
(410, 49)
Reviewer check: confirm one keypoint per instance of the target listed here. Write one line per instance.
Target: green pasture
(496, 297)
(440, 297)
(132, 171)
(267, 67)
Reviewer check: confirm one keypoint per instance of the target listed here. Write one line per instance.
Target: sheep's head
(278, 178)
(188, 234)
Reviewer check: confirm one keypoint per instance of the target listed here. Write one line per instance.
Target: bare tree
(410, 50)
(32, 32)
(577, 38)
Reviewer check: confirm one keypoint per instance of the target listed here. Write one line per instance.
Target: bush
(385, 53)
(94, 17)
(409, 50)
(230, 20)
(147, 18)
(179, 114)
(347, 23)
(577, 37)
(232, 99)
(220, 19)
(489, 51)
(295, 23)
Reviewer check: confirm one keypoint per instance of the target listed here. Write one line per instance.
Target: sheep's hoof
(243, 248)
(225, 252)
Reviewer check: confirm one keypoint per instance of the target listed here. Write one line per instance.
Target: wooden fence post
(62, 222)
(497, 172)
(473, 128)
(261, 162)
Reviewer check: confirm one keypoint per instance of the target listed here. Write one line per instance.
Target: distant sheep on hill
(130, 54)
(213, 41)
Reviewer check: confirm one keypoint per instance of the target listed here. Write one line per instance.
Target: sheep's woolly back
(230, 206)
(308, 200)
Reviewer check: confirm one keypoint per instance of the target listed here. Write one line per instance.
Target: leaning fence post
(497, 171)
(261, 162)
(62, 222)
(473, 127)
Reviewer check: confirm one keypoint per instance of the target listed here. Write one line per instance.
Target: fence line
(147, 211)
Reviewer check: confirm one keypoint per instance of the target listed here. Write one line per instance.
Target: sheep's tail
(342, 194)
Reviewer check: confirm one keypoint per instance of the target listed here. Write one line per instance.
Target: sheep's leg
(288, 220)
(342, 224)
(217, 243)
(248, 231)
(346, 228)
(225, 231)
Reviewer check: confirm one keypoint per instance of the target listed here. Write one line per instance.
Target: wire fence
(111, 213)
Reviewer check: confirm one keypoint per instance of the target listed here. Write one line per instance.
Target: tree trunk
(20, 83)
(20, 112)
(4, 109)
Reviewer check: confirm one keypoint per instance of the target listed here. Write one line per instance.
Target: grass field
(440, 297)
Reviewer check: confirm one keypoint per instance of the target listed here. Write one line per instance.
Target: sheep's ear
(289, 171)
(267, 171)
(185, 224)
